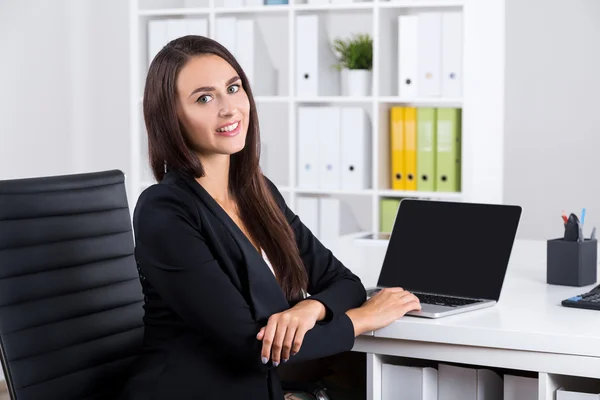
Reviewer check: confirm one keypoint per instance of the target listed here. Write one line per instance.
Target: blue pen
(582, 216)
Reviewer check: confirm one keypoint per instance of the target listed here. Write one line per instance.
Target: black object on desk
(572, 259)
(589, 300)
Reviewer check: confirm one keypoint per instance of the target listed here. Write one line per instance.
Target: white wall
(64, 79)
(34, 96)
(552, 112)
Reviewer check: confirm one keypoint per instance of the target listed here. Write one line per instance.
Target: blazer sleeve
(329, 281)
(175, 259)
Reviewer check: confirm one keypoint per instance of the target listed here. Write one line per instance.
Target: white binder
(458, 383)
(430, 54)
(253, 3)
(233, 3)
(520, 388)
(253, 56)
(335, 219)
(329, 148)
(157, 37)
(355, 133)
(408, 383)
(408, 56)
(225, 33)
(314, 58)
(452, 53)
(308, 148)
(176, 28)
(197, 26)
(307, 208)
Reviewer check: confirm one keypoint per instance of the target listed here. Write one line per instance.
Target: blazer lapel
(266, 295)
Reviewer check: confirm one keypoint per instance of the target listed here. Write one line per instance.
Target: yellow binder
(410, 147)
(397, 173)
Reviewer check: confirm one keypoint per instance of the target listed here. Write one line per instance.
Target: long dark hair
(167, 143)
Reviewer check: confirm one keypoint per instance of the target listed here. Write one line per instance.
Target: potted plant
(355, 56)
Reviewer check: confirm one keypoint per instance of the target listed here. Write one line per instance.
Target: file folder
(157, 37)
(329, 174)
(335, 219)
(307, 209)
(452, 53)
(355, 133)
(410, 147)
(410, 383)
(448, 163)
(408, 55)
(426, 149)
(430, 54)
(520, 388)
(458, 383)
(225, 33)
(388, 208)
(253, 55)
(398, 163)
(308, 147)
(314, 58)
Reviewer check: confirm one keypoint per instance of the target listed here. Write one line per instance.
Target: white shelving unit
(482, 102)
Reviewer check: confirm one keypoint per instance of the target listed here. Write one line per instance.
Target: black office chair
(70, 298)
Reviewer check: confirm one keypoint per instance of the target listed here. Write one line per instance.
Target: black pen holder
(572, 263)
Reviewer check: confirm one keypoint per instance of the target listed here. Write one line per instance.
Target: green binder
(426, 149)
(388, 209)
(448, 168)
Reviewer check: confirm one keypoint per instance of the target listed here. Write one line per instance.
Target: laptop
(452, 255)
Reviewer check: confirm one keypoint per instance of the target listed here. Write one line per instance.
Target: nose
(227, 109)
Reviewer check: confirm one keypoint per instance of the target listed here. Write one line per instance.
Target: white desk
(527, 330)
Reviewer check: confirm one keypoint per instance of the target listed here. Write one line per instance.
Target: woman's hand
(283, 335)
(383, 308)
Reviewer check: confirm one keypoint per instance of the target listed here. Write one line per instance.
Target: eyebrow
(212, 88)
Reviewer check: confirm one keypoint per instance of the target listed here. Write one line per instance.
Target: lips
(230, 129)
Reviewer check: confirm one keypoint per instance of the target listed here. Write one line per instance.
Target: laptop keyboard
(444, 300)
(436, 299)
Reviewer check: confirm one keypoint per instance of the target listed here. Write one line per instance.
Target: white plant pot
(356, 82)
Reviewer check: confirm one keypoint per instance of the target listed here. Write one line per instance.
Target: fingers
(261, 333)
(278, 344)
(268, 337)
(298, 339)
(288, 342)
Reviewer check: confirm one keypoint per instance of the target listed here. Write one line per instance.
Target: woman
(225, 266)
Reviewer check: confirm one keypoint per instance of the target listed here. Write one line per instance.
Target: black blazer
(208, 292)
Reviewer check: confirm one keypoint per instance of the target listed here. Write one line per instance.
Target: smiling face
(212, 106)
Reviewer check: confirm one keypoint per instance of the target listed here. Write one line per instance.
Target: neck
(216, 177)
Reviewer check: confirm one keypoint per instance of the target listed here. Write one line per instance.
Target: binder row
(243, 39)
(162, 31)
(430, 54)
(327, 218)
(334, 148)
(425, 146)
(449, 382)
(251, 3)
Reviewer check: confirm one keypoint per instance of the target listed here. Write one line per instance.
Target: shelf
(174, 11)
(429, 101)
(365, 192)
(333, 7)
(333, 99)
(276, 8)
(415, 193)
(271, 99)
(420, 4)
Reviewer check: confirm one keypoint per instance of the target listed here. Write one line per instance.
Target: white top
(267, 260)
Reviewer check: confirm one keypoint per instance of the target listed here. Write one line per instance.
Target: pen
(593, 236)
(582, 216)
(564, 217)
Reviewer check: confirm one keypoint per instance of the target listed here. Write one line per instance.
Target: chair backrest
(70, 297)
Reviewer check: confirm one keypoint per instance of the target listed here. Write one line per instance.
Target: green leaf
(355, 52)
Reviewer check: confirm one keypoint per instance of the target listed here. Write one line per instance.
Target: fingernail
(294, 353)
(275, 363)
(285, 360)
(265, 360)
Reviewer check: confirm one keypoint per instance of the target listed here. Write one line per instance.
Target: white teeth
(229, 128)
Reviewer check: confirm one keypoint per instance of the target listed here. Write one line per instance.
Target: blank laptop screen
(452, 248)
